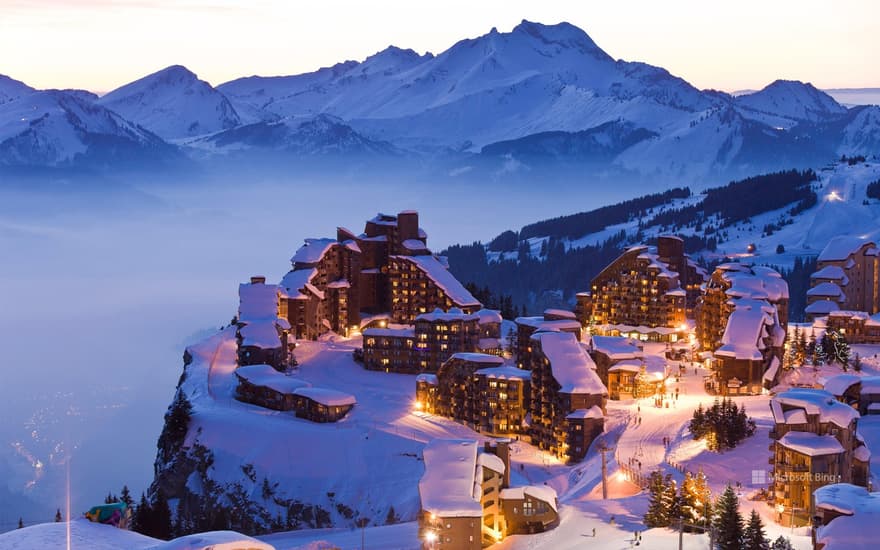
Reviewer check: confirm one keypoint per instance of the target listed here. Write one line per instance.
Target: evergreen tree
(161, 517)
(820, 356)
(658, 512)
(125, 496)
(671, 500)
(110, 499)
(754, 537)
(392, 517)
(58, 517)
(781, 543)
(142, 517)
(728, 522)
(20, 523)
(857, 363)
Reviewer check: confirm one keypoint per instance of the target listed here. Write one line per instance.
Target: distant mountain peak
(563, 33)
(792, 98)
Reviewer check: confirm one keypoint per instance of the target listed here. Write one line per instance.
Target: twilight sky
(102, 44)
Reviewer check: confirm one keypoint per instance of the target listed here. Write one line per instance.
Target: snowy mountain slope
(796, 101)
(510, 79)
(53, 128)
(173, 103)
(305, 136)
(12, 89)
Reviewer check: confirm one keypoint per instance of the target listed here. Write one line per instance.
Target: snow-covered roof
(754, 282)
(771, 371)
(474, 357)
(257, 301)
(312, 252)
(454, 314)
(441, 276)
(428, 378)
(505, 373)
(870, 385)
(626, 366)
(822, 307)
(326, 396)
(837, 385)
(570, 364)
(267, 377)
(832, 273)
(846, 498)
(564, 313)
(862, 453)
(261, 334)
(394, 332)
(488, 460)
(814, 402)
(795, 416)
(543, 493)
(592, 412)
(414, 245)
(296, 280)
(448, 488)
(830, 290)
(747, 326)
(841, 247)
(811, 444)
(339, 283)
(538, 323)
(616, 347)
(215, 540)
(489, 316)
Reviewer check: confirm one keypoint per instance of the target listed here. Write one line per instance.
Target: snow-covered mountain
(537, 97)
(12, 89)
(173, 103)
(792, 100)
(65, 128)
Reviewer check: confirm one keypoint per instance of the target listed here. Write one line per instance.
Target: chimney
(501, 449)
(408, 225)
(258, 280)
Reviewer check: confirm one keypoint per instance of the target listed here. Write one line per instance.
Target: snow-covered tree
(658, 511)
(820, 356)
(781, 543)
(856, 363)
(754, 537)
(728, 521)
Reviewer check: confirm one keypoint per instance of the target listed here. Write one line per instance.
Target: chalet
(860, 392)
(262, 385)
(847, 278)
(607, 351)
(815, 443)
(856, 326)
(466, 502)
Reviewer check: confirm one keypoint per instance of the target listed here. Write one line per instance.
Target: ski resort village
(368, 399)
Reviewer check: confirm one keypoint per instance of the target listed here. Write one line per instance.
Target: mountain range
(540, 98)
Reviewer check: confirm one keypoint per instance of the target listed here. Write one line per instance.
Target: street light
(431, 538)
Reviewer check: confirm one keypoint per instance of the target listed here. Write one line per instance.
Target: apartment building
(847, 278)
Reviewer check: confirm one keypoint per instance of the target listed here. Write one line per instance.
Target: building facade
(742, 320)
(568, 398)
(814, 444)
(433, 338)
(847, 278)
(263, 331)
(466, 502)
(387, 269)
(477, 390)
(263, 386)
(649, 288)
(551, 320)
(856, 326)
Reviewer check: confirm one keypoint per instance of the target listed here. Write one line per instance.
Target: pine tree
(142, 517)
(754, 537)
(58, 517)
(671, 501)
(857, 362)
(20, 523)
(125, 496)
(161, 517)
(392, 517)
(781, 543)
(820, 356)
(728, 521)
(110, 498)
(658, 513)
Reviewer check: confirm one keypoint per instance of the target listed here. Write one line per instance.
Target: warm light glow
(418, 405)
(621, 476)
(833, 196)
(431, 536)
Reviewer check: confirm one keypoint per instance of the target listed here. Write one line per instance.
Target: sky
(102, 44)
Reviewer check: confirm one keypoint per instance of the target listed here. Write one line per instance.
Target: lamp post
(431, 538)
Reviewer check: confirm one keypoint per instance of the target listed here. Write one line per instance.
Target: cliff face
(222, 464)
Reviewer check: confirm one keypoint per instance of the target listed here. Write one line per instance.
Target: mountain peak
(792, 98)
(564, 34)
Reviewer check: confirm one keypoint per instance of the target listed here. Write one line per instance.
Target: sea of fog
(102, 287)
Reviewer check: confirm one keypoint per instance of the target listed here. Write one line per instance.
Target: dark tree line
(873, 190)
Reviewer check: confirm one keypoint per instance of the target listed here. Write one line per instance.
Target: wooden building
(262, 385)
(847, 278)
